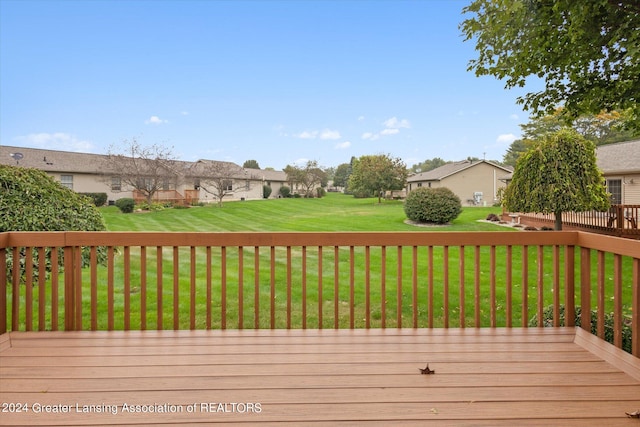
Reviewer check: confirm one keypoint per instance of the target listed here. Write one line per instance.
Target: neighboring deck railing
(317, 280)
(619, 220)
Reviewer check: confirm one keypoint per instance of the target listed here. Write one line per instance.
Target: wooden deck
(550, 376)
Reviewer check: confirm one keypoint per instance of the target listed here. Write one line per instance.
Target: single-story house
(620, 164)
(476, 183)
(88, 173)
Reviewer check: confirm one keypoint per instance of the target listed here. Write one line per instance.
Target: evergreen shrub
(432, 205)
(126, 204)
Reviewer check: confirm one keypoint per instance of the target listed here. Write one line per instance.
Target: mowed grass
(326, 286)
(335, 212)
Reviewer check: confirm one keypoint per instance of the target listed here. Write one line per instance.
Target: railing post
(619, 217)
(69, 289)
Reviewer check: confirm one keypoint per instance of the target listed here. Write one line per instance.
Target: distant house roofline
(444, 171)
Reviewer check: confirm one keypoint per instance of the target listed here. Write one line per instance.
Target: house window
(167, 184)
(116, 183)
(419, 184)
(228, 185)
(614, 187)
(67, 181)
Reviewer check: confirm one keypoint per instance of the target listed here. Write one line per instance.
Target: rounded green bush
(434, 205)
(285, 191)
(126, 204)
(31, 200)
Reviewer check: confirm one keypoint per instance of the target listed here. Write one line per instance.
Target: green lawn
(335, 212)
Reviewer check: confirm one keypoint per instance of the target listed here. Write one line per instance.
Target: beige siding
(631, 189)
(480, 178)
(242, 190)
(469, 181)
(88, 183)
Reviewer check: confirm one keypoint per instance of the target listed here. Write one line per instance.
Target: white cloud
(308, 134)
(514, 117)
(330, 134)
(184, 113)
(56, 141)
(389, 131)
(506, 138)
(155, 120)
(314, 134)
(370, 136)
(394, 123)
(343, 145)
(360, 118)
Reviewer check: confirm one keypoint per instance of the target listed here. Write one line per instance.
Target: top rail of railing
(156, 280)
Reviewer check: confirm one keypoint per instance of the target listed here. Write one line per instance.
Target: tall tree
(341, 175)
(515, 150)
(607, 127)
(147, 169)
(251, 164)
(558, 174)
(428, 165)
(375, 174)
(586, 51)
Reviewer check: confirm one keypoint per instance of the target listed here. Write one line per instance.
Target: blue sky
(279, 82)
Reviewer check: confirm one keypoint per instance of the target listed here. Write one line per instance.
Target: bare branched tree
(310, 176)
(218, 178)
(146, 169)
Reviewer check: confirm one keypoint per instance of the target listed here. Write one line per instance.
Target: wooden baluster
(461, 318)
(143, 288)
(256, 287)
(352, 287)
(585, 289)
(240, 287)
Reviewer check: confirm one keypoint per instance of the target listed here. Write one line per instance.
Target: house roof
(51, 160)
(451, 169)
(227, 169)
(270, 175)
(622, 157)
(73, 162)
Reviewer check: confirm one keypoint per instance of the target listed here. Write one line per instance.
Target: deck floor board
(531, 376)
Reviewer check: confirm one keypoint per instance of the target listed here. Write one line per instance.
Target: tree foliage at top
(375, 174)
(602, 128)
(586, 51)
(558, 174)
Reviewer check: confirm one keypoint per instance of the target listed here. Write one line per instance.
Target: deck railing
(619, 220)
(128, 280)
